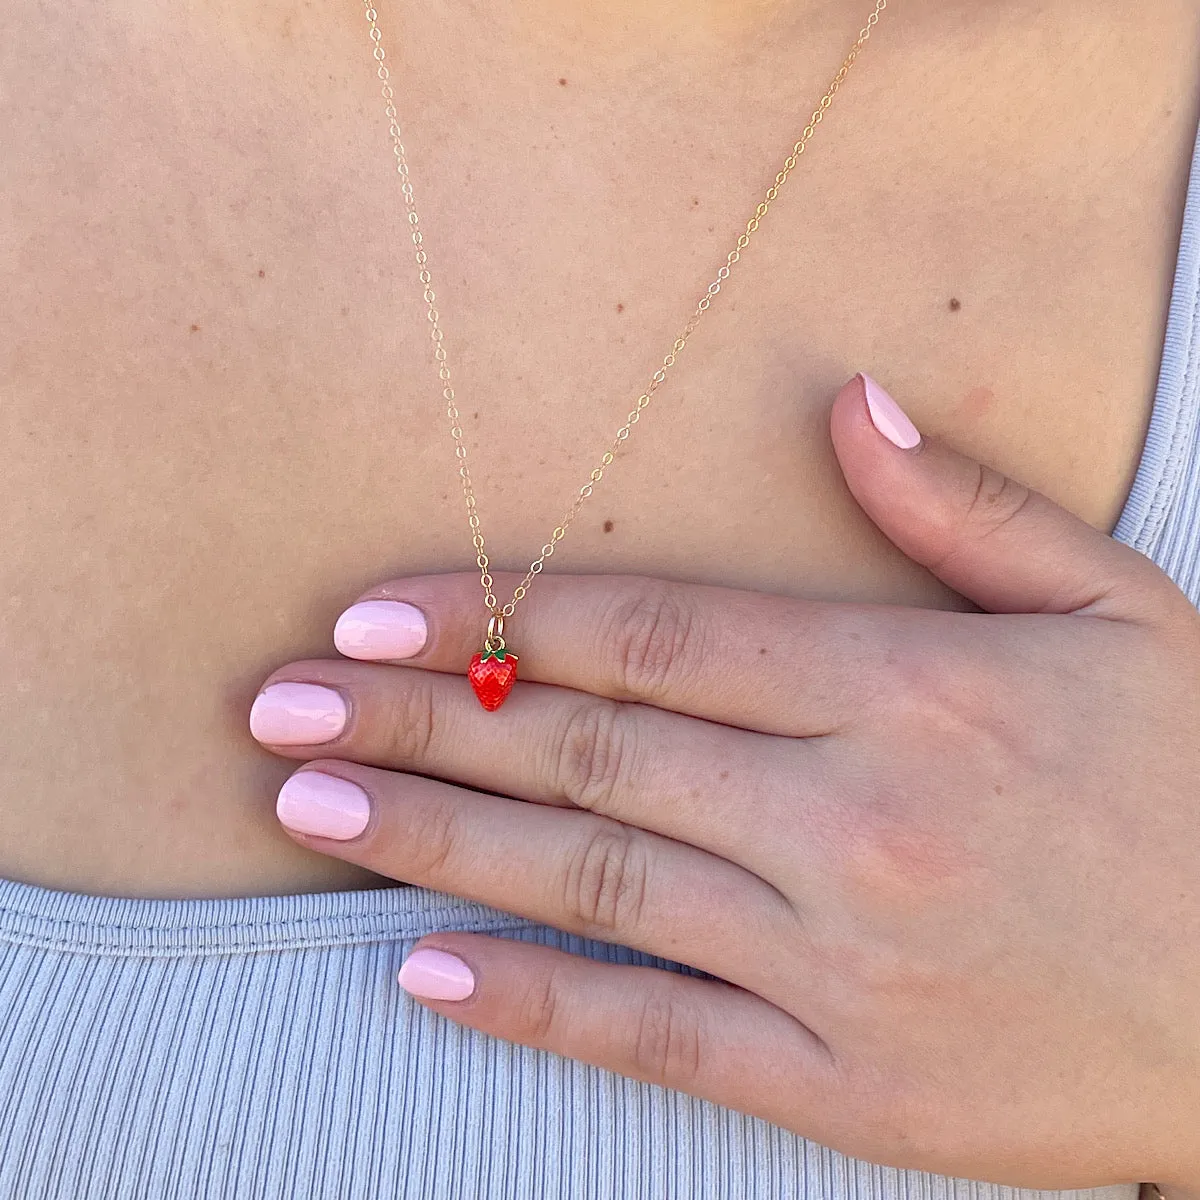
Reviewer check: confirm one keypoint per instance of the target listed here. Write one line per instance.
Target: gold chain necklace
(493, 670)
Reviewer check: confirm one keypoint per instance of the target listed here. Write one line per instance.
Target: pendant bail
(495, 633)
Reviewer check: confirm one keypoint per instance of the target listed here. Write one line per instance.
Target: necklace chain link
(659, 376)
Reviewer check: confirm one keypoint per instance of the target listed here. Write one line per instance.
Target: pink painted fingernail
(323, 805)
(888, 417)
(297, 714)
(436, 975)
(380, 629)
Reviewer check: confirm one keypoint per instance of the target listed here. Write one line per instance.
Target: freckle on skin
(562, 83)
(762, 649)
(195, 328)
(620, 308)
(955, 304)
(261, 273)
(724, 776)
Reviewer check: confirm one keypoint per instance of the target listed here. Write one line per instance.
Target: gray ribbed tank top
(260, 1048)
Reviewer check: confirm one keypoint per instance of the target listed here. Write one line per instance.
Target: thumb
(992, 539)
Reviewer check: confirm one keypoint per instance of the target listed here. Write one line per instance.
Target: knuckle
(407, 720)
(997, 501)
(666, 1042)
(591, 755)
(432, 843)
(941, 695)
(605, 882)
(898, 856)
(653, 636)
(957, 701)
(538, 1011)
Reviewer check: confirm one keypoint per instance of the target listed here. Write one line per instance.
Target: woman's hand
(945, 866)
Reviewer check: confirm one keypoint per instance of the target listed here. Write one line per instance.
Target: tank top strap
(1161, 517)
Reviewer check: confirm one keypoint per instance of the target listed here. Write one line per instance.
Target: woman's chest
(223, 407)
(216, 325)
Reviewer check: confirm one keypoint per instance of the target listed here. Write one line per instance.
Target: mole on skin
(955, 304)
(608, 527)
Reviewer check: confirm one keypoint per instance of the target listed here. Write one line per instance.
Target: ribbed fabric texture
(260, 1049)
(1162, 514)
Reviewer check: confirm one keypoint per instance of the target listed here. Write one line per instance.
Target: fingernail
(324, 805)
(297, 714)
(436, 975)
(380, 629)
(888, 417)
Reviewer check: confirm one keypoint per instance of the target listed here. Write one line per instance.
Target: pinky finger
(700, 1036)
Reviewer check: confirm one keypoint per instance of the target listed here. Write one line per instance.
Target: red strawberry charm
(492, 675)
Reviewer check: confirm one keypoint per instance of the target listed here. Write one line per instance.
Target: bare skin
(220, 421)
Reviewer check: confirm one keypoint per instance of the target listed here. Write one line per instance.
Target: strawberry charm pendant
(492, 674)
(494, 670)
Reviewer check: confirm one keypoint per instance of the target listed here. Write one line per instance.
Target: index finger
(762, 662)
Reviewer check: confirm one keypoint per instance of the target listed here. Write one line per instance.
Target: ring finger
(577, 871)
